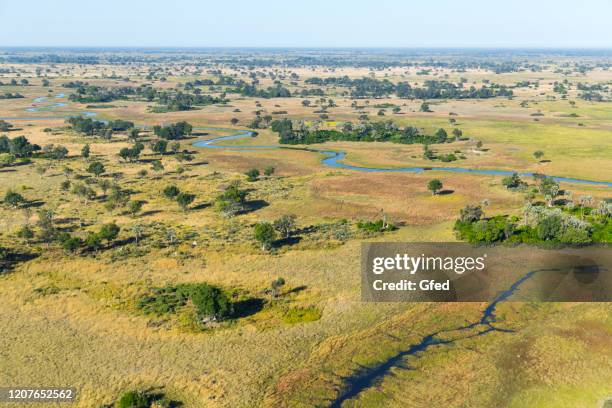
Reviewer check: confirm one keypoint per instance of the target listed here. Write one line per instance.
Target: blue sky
(312, 23)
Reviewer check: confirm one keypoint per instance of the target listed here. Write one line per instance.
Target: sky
(308, 23)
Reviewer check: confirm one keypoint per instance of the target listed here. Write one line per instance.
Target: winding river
(332, 158)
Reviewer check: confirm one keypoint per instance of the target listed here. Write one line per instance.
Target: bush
(302, 315)
(375, 226)
(210, 302)
(252, 175)
(13, 199)
(269, 170)
(134, 399)
(171, 192)
(184, 199)
(109, 232)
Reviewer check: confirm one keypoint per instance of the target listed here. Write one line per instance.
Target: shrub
(13, 199)
(302, 315)
(269, 170)
(184, 199)
(375, 226)
(134, 399)
(109, 232)
(171, 192)
(252, 175)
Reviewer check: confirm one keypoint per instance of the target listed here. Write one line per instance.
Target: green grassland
(73, 319)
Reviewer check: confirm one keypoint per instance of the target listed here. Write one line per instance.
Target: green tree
(160, 146)
(96, 168)
(211, 303)
(86, 151)
(285, 225)
(109, 232)
(264, 233)
(434, 186)
(425, 107)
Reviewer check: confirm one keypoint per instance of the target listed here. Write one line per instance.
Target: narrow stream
(367, 377)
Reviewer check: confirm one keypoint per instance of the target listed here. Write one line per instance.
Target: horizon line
(311, 47)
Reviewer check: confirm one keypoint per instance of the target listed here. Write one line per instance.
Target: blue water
(332, 158)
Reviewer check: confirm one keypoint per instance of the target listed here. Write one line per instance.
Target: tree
(434, 186)
(156, 165)
(275, 286)
(457, 133)
(232, 200)
(184, 199)
(46, 224)
(470, 213)
(134, 207)
(513, 181)
(71, 244)
(133, 134)
(549, 187)
(264, 233)
(441, 135)
(138, 230)
(171, 192)
(104, 185)
(234, 121)
(13, 199)
(285, 225)
(211, 303)
(538, 154)
(84, 192)
(252, 175)
(160, 146)
(425, 107)
(85, 151)
(96, 168)
(269, 170)
(109, 232)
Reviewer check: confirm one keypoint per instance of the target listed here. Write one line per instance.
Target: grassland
(72, 319)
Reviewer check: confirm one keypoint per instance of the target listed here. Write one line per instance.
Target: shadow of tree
(247, 307)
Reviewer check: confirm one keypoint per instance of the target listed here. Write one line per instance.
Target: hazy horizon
(317, 24)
